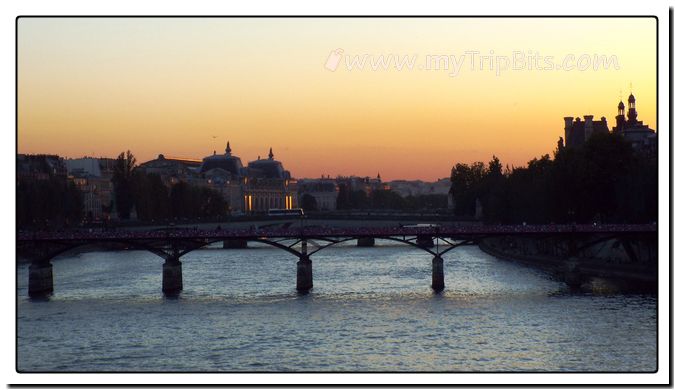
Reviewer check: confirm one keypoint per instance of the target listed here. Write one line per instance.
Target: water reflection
(371, 309)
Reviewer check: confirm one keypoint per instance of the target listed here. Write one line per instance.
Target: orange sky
(99, 86)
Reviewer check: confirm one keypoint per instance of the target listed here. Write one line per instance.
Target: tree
(49, 203)
(211, 203)
(187, 201)
(123, 172)
(308, 202)
(150, 196)
(604, 180)
(466, 183)
(388, 200)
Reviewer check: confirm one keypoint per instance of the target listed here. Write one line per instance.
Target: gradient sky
(99, 86)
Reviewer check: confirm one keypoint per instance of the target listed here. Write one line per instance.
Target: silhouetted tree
(604, 180)
(48, 203)
(188, 201)
(466, 181)
(308, 202)
(386, 199)
(150, 196)
(123, 172)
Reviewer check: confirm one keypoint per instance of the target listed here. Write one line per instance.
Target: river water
(371, 309)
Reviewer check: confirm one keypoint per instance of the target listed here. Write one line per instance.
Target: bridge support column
(437, 276)
(425, 241)
(172, 276)
(304, 276)
(40, 280)
(365, 241)
(572, 275)
(235, 244)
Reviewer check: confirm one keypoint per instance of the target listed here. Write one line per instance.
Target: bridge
(173, 243)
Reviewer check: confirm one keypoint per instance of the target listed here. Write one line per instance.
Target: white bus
(285, 212)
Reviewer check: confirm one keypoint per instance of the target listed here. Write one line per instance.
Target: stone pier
(437, 276)
(365, 241)
(235, 244)
(571, 273)
(304, 276)
(40, 280)
(172, 277)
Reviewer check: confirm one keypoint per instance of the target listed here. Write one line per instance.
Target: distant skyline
(100, 86)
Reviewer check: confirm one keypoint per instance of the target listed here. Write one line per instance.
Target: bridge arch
(68, 246)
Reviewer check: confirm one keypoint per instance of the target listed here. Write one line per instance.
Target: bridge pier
(572, 275)
(425, 241)
(40, 280)
(172, 276)
(304, 281)
(235, 244)
(365, 242)
(437, 276)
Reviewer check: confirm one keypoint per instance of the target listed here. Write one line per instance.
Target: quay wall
(608, 262)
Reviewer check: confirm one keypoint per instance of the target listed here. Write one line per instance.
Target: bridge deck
(316, 232)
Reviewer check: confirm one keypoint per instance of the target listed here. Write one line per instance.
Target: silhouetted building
(230, 165)
(261, 185)
(419, 187)
(640, 136)
(267, 185)
(40, 166)
(172, 169)
(578, 131)
(324, 191)
(93, 177)
(365, 184)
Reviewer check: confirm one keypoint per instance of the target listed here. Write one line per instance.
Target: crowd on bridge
(252, 232)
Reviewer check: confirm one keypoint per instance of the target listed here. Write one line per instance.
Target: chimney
(568, 128)
(588, 126)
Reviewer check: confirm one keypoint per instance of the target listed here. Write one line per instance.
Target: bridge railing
(273, 232)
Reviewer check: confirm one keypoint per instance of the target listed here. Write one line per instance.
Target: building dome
(631, 98)
(227, 162)
(267, 168)
(621, 106)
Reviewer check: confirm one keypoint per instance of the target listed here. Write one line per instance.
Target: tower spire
(228, 150)
(271, 155)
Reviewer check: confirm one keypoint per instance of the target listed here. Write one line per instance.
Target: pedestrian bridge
(173, 243)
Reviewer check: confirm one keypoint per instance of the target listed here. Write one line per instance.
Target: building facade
(93, 177)
(640, 136)
(261, 185)
(419, 187)
(40, 167)
(577, 132)
(324, 191)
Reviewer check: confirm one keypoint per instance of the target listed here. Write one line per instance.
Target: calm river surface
(371, 309)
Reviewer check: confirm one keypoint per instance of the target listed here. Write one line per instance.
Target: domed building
(225, 162)
(267, 185)
(172, 169)
(640, 136)
(262, 185)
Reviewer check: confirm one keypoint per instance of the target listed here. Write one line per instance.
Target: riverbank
(602, 271)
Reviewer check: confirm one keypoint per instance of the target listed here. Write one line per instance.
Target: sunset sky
(98, 86)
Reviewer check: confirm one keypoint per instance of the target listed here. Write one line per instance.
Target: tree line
(605, 180)
(53, 202)
(380, 199)
(154, 201)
